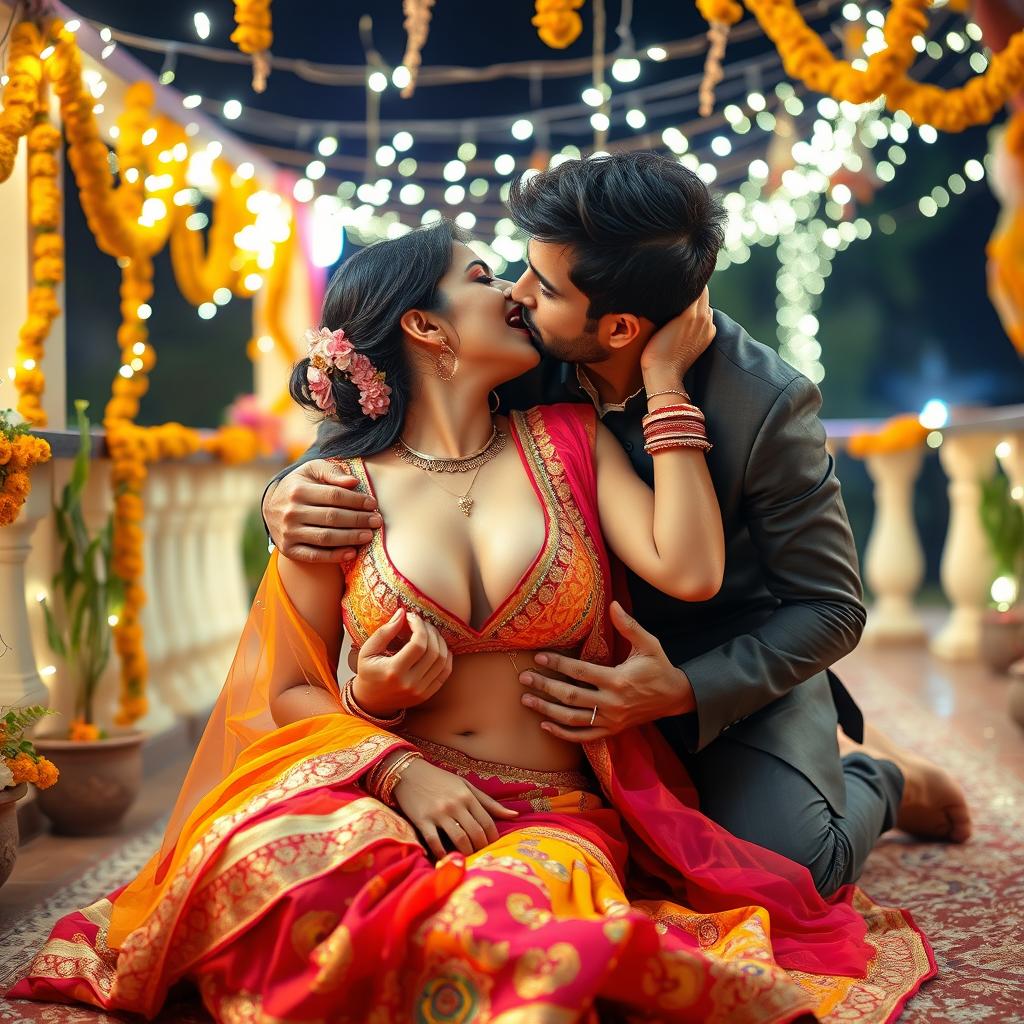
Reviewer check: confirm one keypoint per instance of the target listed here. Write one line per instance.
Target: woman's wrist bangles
(675, 426)
(383, 778)
(353, 707)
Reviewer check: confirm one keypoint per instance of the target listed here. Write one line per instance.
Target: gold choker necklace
(464, 464)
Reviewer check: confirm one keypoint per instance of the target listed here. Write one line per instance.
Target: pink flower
(339, 350)
(327, 348)
(319, 386)
(374, 397)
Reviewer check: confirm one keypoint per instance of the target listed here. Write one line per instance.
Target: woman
(303, 876)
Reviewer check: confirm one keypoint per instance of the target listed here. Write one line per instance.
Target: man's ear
(619, 330)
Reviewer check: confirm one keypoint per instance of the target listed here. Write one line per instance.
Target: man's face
(554, 309)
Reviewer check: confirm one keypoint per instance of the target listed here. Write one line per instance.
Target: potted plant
(20, 763)
(1003, 626)
(102, 771)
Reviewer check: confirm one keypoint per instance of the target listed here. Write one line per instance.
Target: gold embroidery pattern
(591, 849)
(333, 957)
(139, 975)
(92, 961)
(271, 858)
(540, 972)
(463, 764)
(554, 606)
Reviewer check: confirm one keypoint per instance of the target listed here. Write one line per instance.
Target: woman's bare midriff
(479, 711)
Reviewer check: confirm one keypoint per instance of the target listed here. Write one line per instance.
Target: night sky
(904, 317)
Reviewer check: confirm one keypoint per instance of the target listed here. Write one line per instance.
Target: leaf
(53, 636)
(80, 469)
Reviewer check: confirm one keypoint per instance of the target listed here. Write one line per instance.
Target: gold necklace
(463, 464)
(465, 502)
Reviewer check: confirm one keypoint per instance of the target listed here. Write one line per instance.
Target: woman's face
(482, 326)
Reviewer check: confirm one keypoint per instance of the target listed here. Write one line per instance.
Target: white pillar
(894, 560)
(20, 681)
(967, 562)
(1011, 458)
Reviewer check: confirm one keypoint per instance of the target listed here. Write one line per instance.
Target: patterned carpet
(969, 900)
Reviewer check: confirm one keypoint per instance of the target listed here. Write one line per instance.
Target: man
(739, 684)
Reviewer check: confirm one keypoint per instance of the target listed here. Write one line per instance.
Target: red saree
(286, 894)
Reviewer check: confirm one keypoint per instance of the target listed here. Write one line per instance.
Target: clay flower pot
(9, 798)
(1002, 638)
(99, 781)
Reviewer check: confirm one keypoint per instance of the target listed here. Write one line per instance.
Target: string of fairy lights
(785, 163)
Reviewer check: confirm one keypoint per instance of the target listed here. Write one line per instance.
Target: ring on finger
(593, 717)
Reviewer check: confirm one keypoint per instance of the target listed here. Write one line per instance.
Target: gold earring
(447, 362)
(497, 402)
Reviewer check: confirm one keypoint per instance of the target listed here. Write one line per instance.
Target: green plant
(78, 629)
(1003, 522)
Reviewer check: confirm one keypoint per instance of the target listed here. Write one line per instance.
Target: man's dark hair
(644, 231)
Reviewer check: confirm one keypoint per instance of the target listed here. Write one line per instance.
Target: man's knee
(810, 839)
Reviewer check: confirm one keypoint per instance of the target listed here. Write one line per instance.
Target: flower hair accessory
(329, 351)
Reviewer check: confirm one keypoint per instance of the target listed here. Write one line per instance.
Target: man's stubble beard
(583, 349)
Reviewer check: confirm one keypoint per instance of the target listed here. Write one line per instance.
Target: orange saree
(285, 893)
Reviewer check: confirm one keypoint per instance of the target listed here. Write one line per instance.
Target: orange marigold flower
(23, 768)
(18, 485)
(47, 773)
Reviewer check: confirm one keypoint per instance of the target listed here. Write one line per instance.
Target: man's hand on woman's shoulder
(315, 514)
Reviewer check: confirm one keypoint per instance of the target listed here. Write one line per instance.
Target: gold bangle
(669, 391)
(394, 777)
(354, 708)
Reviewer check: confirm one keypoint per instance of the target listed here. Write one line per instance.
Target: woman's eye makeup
(546, 293)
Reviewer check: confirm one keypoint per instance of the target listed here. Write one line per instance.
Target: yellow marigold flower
(9, 509)
(6, 450)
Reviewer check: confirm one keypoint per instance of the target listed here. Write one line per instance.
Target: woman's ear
(421, 326)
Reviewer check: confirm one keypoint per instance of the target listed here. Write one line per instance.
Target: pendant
(466, 504)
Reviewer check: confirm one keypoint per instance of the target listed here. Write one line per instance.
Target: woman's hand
(674, 348)
(436, 801)
(387, 683)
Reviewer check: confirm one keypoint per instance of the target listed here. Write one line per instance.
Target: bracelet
(683, 442)
(381, 772)
(679, 423)
(352, 707)
(673, 410)
(382, 781)
(668, 391)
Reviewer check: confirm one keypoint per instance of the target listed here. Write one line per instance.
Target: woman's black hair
(366, 298)
(644, 230)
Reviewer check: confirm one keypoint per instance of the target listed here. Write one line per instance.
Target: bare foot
(933, 806)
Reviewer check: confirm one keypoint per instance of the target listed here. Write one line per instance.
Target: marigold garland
(899, 434)
(19, 452)
(805, 55)
(21, 94)
(254, 36)
(557, 22)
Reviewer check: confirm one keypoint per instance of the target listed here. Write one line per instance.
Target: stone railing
(971, 443)
(198, 599)
(197, 596)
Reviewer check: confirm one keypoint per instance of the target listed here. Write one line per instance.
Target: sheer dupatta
(243, 754)
(672, 845)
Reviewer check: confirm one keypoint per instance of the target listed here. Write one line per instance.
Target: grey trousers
(762, 799)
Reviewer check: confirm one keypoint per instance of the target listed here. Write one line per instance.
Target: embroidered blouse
(555, 603)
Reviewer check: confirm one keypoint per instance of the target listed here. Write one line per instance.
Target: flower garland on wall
(44, 206)
(899, 434)
(130, 223)
(19, 452)
(254, 36)
(557, 22)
